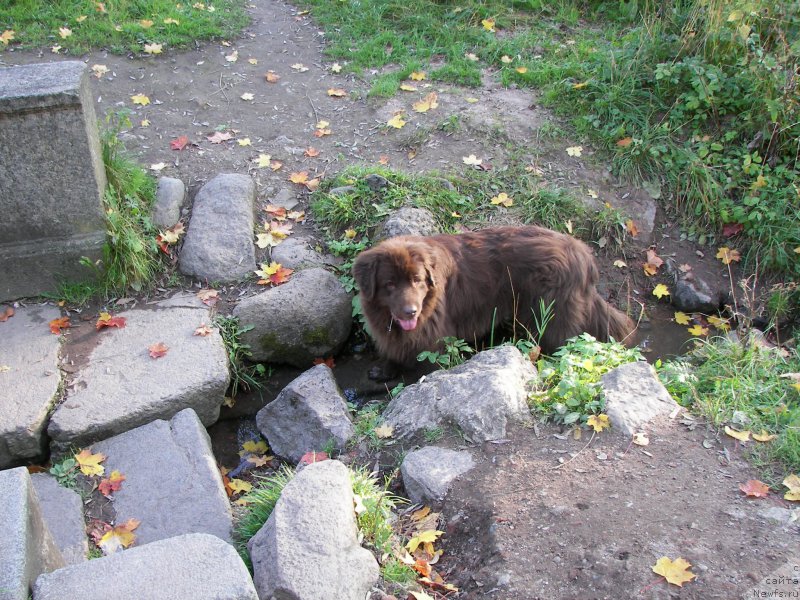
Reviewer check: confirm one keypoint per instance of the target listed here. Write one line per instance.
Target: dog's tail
(608, 322)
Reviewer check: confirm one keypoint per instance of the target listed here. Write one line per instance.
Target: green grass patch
(740, 384)
(120, 26)
(244, 375)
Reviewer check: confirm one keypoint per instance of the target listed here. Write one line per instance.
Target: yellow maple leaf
(349, 233)
(146, 23)
(336, 68)
(488, 24)
(575, 150)
(427, 103)
(764, 436)
(793, 483)
(580, 86)
(266, 240)
(263, 160)
(521, 70)
(698, 330)
(64, 32)
(253, 447)
(7, 36)
(727, 256)
(384, 431)
(322, 125)
(239, 486)
(80, 19)
(424, 539)
(300, 67)
(506, 59)
(140, 99)
(121, 536)
(660, 291)
(145, 123)
(268, 269)
(271, 76)
(598, 422)
(742, 436)
(620, 264)
(244, 142)
(502, 199)
(171, 21)
(299, 177)
(337, 93)
(471, 160)
(640, 439)
(417, 75)
(90, 463)
(676, 572)
(396, 121)
(247, 96)
(681, 318)
(153, 48)
(407, 87)
(719, 323)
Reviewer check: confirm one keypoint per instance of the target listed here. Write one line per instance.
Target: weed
(607, 227)
(433, 434)
(73, 293)
(551, 207)
(374, 506)
(454, 353)
(740, 382)
(120, 27)
(365, 422)
(66, 472)
(570, 390)
(243, 376)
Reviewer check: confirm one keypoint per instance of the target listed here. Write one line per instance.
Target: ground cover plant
(697, 98)
(75, 26)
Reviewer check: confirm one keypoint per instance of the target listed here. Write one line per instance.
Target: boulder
(170, 196)
(429, 472)
(296, 253)
(480, 397)
(62, 510)
(307, 415)
(635, 396)
(308, 549)
(408, 221)
(308, 317)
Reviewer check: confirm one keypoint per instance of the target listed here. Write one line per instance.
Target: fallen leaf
(312, 184)
(263, 160)
(793, 483)
(471, 160)
(328, 362)
(742, 436)
(7, 36)
(145, 123)
(208, 297)
(299, 177)
(427, 103)
(660, 291)
(727, 255)
(396, 121)
(232, 57)
(506, 59)
(731, 229)
(764, 436)
(55, 49)
(424, 539)
(247, 96)
(502, 199)
(383, 160)
(56, 325)
(111, 484)
(99, 70)
(300, 67)
(239, 486)
(106, 320)
(337, 93)
(631, 227)
(322, 132)
(153, 48)
(121, 536)
(179, 143)
(598, 422)
(203, 330)
(698, 330)
(417, 75)
(349, 233)
(384, 431)
(681, 318)
(575, 150)
(521, 70)
(271, 77)
(311, 152)
(336, 68)
(755, 488)
(620, 264)
(625, 142)
(158, 166)
(407, 87)
(676, 572)
(471, 56)
(488, 24)
(259, 461)
(591, 193)
(89, 463)
(312, 457)
(140, 99)
(640, 439)
(297, 215)
(6, 314)
(157, 350)
(64, 32)
(276, 165)
(219, 136)
(719, 323)
(244, 142)
(146, 23)
(171, 21)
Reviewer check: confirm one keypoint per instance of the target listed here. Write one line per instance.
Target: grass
(740, 384)
(119, 25)
(243, 375)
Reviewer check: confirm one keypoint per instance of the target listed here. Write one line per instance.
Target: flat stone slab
(429, 472)
(29, 384)
(62, 510)
(172, 484)
(123, 387)
(196, 566)
(219, 241)
(26, 548)
(308, 549)
(635, 396)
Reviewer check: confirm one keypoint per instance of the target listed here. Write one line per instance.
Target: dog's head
(397, 276)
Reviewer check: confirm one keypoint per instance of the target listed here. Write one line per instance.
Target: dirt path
(517, 527)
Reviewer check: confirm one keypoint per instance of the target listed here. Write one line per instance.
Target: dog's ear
(365, 271)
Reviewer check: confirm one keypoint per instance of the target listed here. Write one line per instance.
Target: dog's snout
(410, 311)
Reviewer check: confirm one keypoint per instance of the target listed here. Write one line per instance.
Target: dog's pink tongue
(407, 325)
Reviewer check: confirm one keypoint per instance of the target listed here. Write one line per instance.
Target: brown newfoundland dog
(417, 290)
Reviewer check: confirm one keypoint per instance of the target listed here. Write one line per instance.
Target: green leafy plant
(570, 389)
(454, 353)
(66, 472)
(243, 376)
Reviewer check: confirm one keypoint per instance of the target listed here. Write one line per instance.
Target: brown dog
(417, 290)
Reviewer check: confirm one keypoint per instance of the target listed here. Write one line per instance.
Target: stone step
(196, 566)
(62, 510)
(123, 387)
(29, 380)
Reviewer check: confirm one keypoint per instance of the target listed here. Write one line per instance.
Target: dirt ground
(523, 524)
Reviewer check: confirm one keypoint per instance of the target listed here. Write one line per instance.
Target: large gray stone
(429, 472)
(51, 177)
(307, 414)
(635, 396)
(409, 221)
(170, 196)
(296, 253)
(195, 566)
(308, 548)
(480, 397)
(62, 510)
(122, 387)
(172, 484)
(308, 317)
(27, 548)
(29, 386)
(691, 294)
(219, 241)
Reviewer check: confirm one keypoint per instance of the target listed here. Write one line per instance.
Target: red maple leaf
(111, 484)
(755, 488)
(106, 320)
(56, 325)
(312, 457)
(157, 350)
(280, 276)
(179, 143)
(325, 361)
(6, 314)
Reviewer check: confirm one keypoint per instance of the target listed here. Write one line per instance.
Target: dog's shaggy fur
(417, 290)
